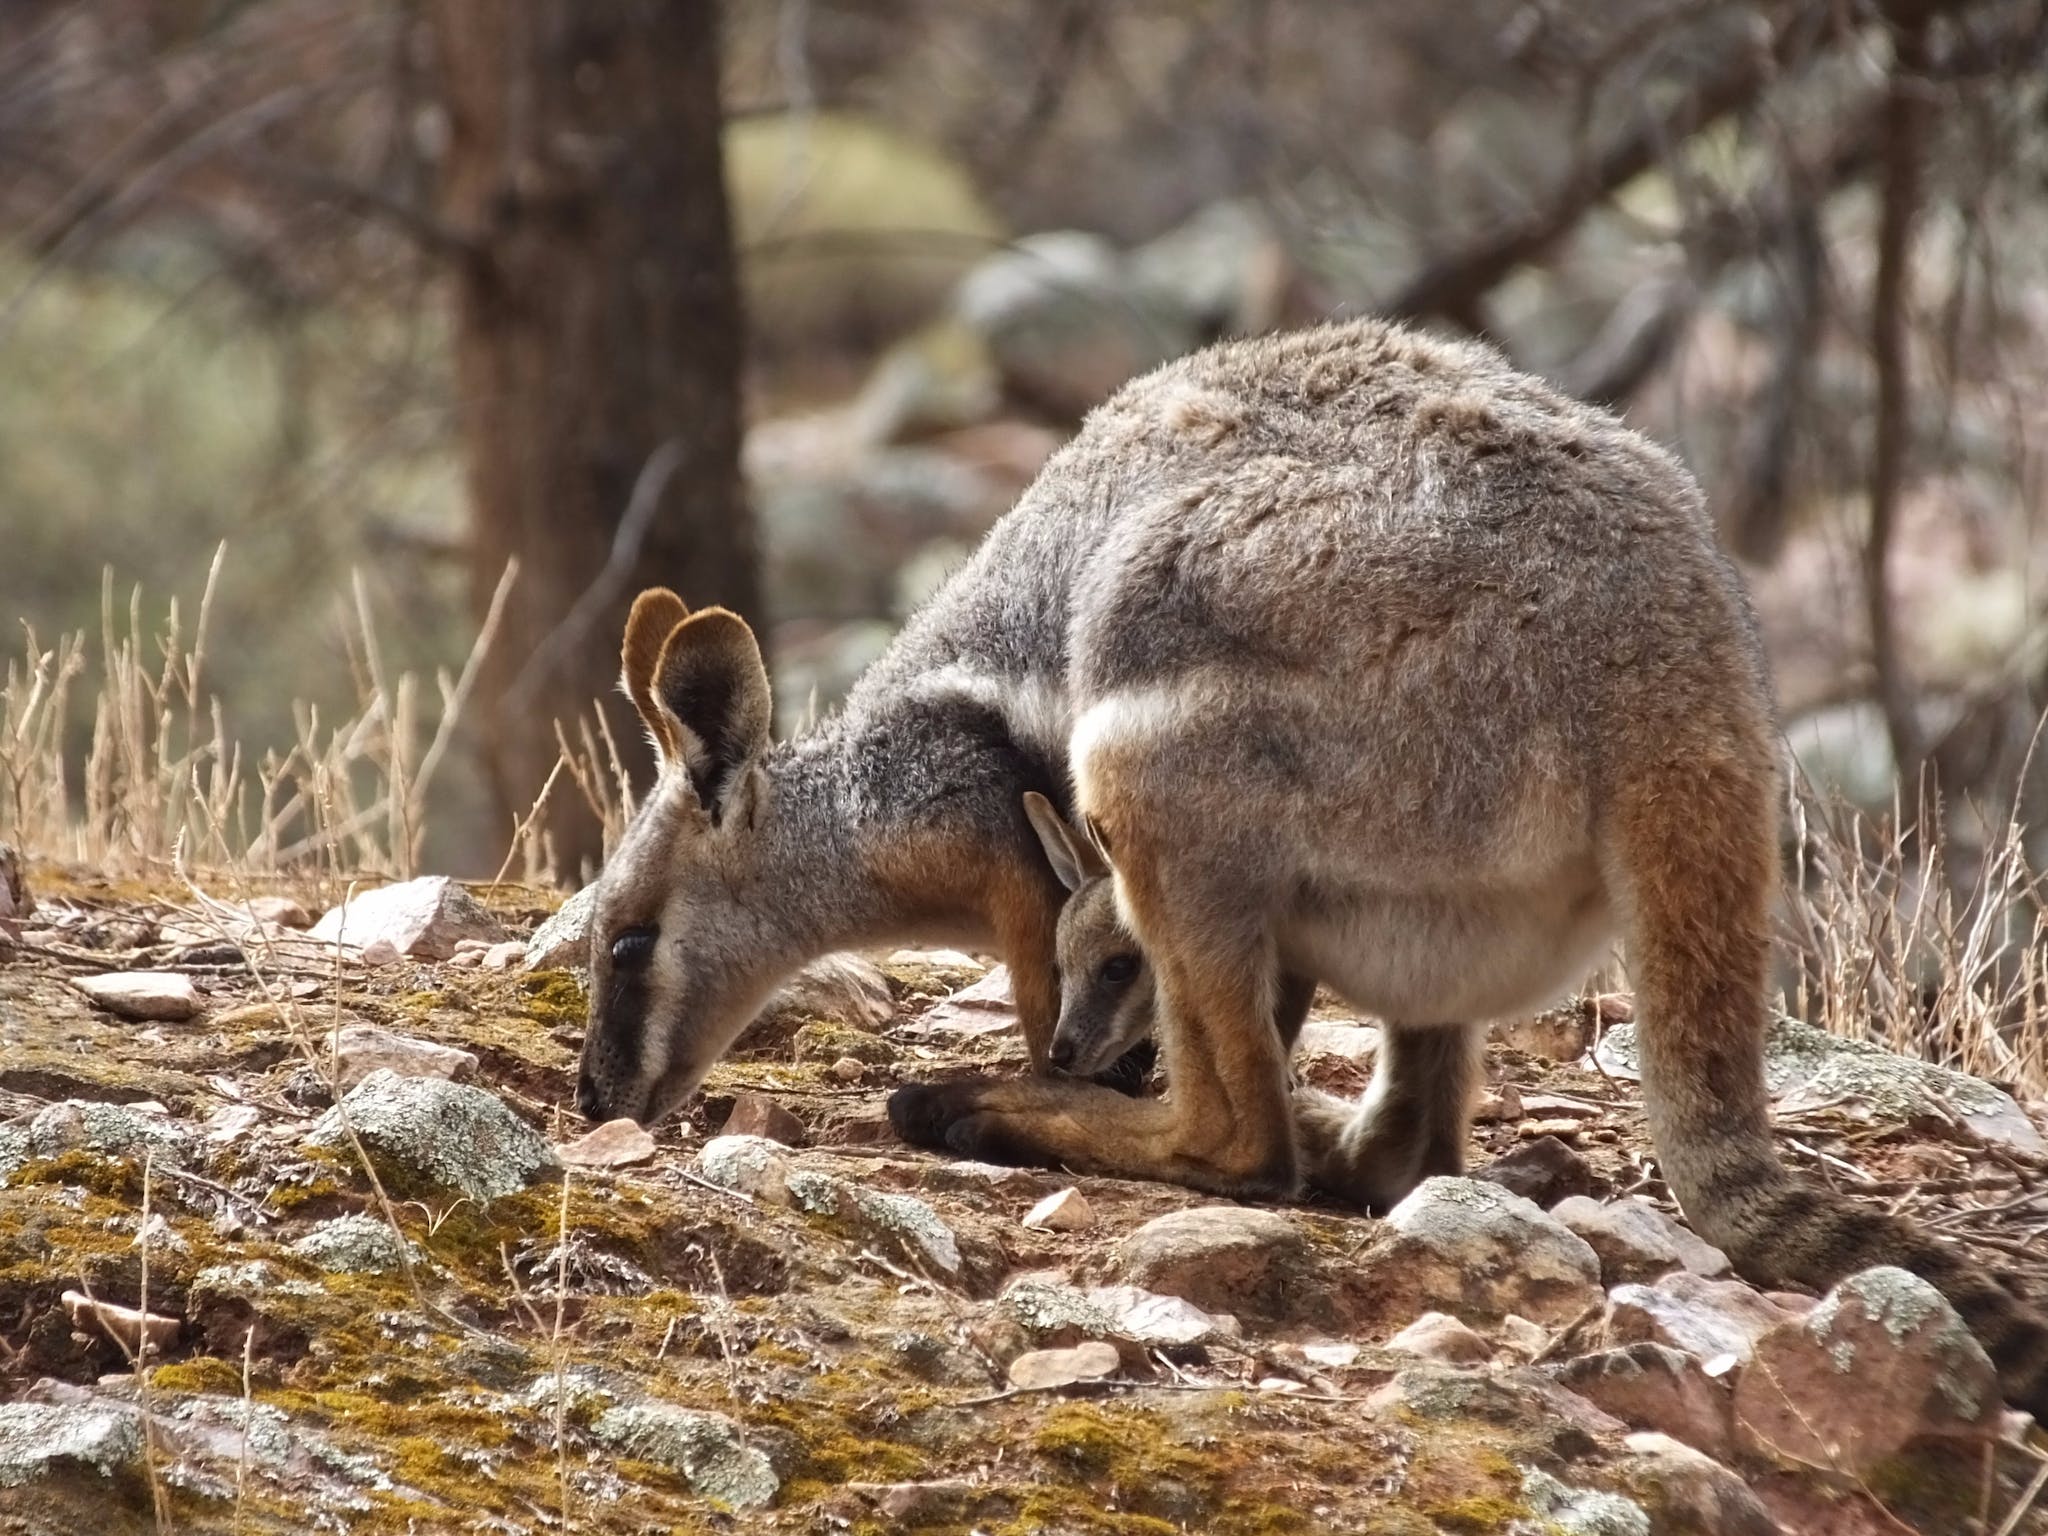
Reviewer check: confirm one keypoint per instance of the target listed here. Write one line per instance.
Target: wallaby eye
(632, 947)
(1118, 969)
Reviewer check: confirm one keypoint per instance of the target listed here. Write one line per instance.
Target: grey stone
(356, 1243)
(1222, 1258)
(1636, 1241)
(752, 1165)
(38, 1438)
(708, 1449)
(1472, 1249)
(905, 1218)
(451, 1135)
(1067, 322)
(1806, 1067)
(1686, 1491)
(564, 939)
(361, 1049)
(164, 995)
(111, 1130)
(421, 919)
(1582, 1511)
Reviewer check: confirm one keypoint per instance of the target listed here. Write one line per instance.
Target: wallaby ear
(1072, 857)
(656, 613)
(711, 685)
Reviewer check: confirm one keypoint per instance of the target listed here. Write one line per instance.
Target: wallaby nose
(1061, 1055)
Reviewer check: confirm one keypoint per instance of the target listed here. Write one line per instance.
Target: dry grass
(1930, 950)
(343, 798)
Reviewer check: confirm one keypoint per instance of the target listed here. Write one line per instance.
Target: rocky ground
(772, 1317)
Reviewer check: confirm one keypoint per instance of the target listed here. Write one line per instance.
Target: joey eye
(1118, 969)
(632, 947)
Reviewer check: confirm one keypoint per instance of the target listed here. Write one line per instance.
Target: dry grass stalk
(1892, 942)
(347, 798)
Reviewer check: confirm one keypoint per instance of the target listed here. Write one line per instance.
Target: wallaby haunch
(1368, 660)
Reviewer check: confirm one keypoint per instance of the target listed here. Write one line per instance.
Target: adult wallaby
(1369, 660)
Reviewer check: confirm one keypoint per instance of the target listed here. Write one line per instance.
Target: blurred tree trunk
(597, 345)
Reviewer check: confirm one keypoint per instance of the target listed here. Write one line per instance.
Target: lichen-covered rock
(564, 939)
(422, 1130)
(1472, 1249)
(165, 995)
(1804, 1067)
(751, 1165)
(110, 1130)
(421, 919)
(708, 1449)
(1716, 1321)
(1224, 1258)
(1653, 1387)
(360, 1049)
(38, 1439)
(1582, 1511)
(355, 1243)
(1687, 1493)
(1882, 1360)
(904, 1218)
(1636, 1241)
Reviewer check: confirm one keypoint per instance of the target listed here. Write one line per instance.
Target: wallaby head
(679, 961)
(1105, 985)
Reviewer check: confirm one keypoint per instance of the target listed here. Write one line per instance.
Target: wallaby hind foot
(1410, 1126)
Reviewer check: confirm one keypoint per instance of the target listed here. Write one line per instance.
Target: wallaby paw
(956, 1117)
(1128, 1072)
(923, 1113)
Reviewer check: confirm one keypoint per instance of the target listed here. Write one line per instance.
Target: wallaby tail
(1694, 849)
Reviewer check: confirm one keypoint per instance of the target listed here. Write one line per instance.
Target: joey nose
(1060, 1056)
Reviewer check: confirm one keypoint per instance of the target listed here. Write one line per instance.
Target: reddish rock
(1473, 1249)
(757, 1114)
(1636, 1241)
(1883, 1360)
(1652, 1386)
(1222, 1258)
(1712, 1320)
(1544, 1170)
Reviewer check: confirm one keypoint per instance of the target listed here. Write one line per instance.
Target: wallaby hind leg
(1693, 854)
(1225, 1124)
(1410, 1126)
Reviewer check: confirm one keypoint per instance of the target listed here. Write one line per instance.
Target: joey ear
(1071, 856)
(713, 689)
(656, 613)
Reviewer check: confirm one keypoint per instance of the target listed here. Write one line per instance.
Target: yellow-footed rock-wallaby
(1367, 660)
